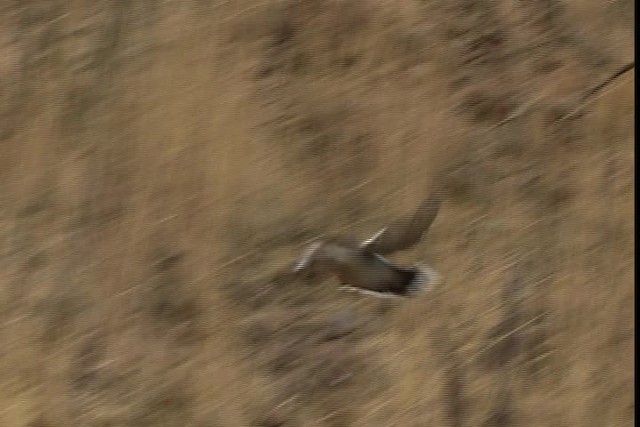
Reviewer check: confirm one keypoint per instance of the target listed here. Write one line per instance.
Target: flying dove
(362, 267)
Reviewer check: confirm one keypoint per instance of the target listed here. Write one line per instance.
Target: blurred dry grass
(161, 159)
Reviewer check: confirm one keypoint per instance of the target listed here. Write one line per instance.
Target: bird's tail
(421, 279)
(417, 280)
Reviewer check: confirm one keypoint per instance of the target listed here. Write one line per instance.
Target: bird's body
(363, 267)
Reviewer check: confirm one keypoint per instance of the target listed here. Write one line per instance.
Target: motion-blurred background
(160, 160)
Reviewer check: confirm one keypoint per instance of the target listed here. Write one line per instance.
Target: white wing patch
(373, 238)
(347, 288)
(305, 259)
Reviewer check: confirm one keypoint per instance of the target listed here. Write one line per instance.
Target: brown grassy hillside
(161, 160)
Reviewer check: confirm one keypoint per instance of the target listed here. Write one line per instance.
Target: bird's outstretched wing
(314, 261)
(406, 232)
(324, 258)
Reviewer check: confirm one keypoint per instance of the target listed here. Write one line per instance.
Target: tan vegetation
(162, 159)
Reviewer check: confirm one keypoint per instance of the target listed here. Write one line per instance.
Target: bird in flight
(362, 267)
